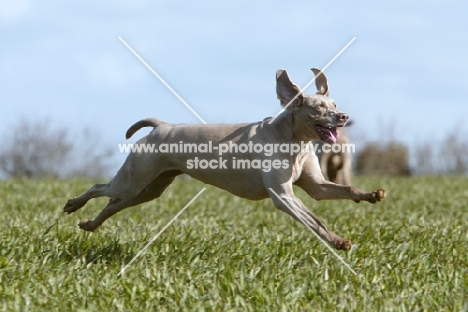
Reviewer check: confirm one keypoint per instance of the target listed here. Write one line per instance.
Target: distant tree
(424, 158)
(391, 158)
(36, 149)
(453, 154)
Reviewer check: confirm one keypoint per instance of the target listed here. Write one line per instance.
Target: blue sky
(406, 72)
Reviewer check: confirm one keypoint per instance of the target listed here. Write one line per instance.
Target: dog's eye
(322, 105)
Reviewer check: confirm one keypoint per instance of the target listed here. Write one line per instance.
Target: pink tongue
(331, 135)
(335, 133)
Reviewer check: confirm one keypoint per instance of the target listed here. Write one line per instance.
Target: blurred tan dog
(145, 175)
(336, 166)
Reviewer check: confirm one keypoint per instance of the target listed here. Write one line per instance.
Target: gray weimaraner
(145, 175)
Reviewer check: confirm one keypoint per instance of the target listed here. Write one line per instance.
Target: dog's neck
(289, 130)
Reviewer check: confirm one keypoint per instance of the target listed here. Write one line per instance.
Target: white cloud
(14, 10)
(110, 70)
(106, 71)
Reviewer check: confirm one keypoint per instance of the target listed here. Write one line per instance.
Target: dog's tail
(148, 122)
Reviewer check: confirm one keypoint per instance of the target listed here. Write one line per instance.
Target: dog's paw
(377, 196)
(86, 225)
(72, 205)
(343, 245)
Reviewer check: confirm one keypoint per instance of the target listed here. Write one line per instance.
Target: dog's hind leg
(127, 183)
(150, 192)
(97, 190)
(73, 204)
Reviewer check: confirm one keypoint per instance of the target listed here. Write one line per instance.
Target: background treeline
(39, 148)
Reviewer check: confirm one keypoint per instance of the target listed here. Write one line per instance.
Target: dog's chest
(298, 165)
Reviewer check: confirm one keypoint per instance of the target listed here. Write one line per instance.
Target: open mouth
(327, 134)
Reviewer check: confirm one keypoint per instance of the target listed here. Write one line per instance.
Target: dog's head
(316, 115)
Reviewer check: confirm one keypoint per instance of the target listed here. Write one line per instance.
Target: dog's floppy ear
(320, 82)
(286, 90)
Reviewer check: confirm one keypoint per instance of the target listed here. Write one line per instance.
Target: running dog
(145, 176)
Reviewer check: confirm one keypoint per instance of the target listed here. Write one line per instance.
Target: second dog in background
(336, 166)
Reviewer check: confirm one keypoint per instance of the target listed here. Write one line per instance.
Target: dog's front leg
(285, 200)
(318, 188)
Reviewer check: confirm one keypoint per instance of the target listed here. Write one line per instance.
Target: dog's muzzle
(342, 119)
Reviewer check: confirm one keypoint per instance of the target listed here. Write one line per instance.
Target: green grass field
(228, 254)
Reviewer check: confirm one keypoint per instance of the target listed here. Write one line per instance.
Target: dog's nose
(343, 117)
